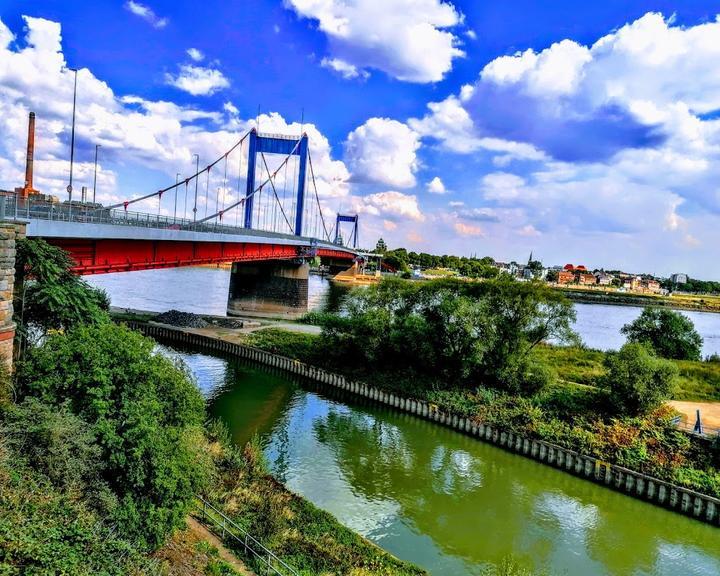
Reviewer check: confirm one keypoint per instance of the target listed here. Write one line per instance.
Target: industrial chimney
(30, 153)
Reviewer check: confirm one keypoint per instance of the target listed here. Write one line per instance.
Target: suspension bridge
(256, 206)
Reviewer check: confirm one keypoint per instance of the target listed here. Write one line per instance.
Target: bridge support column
(9, 232)
(268, 289)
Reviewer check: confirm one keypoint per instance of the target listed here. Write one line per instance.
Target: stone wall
(9, 232)
(653, 490)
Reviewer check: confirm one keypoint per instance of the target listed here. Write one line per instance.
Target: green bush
(668, 333)
(144, 412)
(638, 381)
(44, 527)
(458, 332)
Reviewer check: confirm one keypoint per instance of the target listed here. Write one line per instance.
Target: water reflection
(443, 500)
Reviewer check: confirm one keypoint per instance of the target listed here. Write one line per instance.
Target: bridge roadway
(101, 247)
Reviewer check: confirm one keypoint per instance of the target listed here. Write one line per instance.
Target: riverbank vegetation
(104, 448)
(476, 350)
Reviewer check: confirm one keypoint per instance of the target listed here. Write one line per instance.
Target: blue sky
(586, 134)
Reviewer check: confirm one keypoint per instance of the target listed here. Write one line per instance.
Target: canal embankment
(634, 483)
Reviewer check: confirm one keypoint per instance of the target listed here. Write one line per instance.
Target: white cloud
(407, 39)
(155, 139)
(391, 205)
(146, 13)
(463, 229)
(450, 123)
(195, 54)
(456, 203)
(345, 69)
(383, 151)
(436, 186)
(197, 80)
(502, 186)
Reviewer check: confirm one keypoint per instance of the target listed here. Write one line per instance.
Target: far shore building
(604, 279)
(679, 278)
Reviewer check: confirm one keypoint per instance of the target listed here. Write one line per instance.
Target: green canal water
(442, 500)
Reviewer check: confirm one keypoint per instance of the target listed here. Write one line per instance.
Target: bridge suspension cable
(242, 200)
(317, 198)
(159, 193)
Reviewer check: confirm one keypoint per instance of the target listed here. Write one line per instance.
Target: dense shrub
(455, 332)
(144, 412)
(44, 527)
(638, 381)
(669, 333)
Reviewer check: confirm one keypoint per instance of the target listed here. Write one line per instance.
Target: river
(205, 290)
(443, 500)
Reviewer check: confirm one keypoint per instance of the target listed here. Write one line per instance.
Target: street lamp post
(197, 169)
(72, 138)
(95, 175)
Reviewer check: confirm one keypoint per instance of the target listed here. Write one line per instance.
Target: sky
(587, 133)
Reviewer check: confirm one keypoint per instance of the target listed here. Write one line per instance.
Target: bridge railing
(86, 213)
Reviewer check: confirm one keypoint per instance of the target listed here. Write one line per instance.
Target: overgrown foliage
(457, 332)
(144, 412)
(638, 381)
(669, 333)
(51, 297)
(47, 526)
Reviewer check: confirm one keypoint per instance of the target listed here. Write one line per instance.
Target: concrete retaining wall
(659, 492)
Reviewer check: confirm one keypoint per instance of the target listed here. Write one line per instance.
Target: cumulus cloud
(436, 186)
(197, 80)
(345, 69)
(502, 186)
(146, 13)
(410, 40)
(195, 54)
(391, 205)
(383, 151)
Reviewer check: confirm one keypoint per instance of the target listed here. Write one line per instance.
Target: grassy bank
(570, 412)
(307, 538)
(696, 302)
(696, 380)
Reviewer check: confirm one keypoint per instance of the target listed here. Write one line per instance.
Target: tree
(638, 381)
(668, 333)
(380, 247)
(461, 333)
(144, 412)
(51, 297)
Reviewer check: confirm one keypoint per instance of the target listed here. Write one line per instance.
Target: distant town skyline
(588, 134)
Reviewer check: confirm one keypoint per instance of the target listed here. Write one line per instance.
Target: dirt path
(195, 551)
(709, 412)
(223, 552)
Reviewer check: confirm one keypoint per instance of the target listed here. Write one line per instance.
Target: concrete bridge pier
(274, 288)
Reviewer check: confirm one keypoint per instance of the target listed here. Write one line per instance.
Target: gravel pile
(181, 319)
(227, 322)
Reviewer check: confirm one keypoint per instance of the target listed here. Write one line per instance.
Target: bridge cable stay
(277, 199)
(240, 163)
(317, 197)
(271, 211)
(207, 190)
(256, 191)
(224, 187)
(126, 203)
